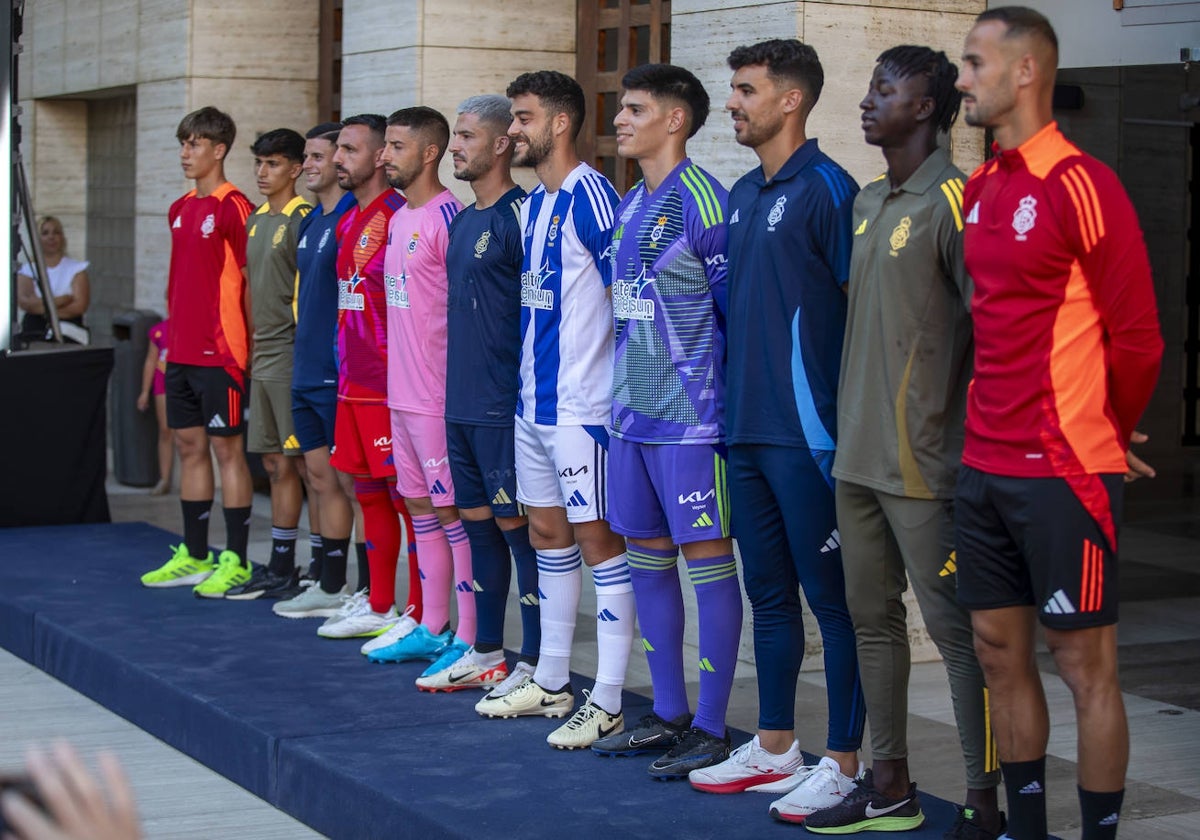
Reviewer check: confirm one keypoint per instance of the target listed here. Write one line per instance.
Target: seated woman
(68, 283)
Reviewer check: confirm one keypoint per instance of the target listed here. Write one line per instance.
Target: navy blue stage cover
(351, 749)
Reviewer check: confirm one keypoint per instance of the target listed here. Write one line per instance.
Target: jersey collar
(799, 159)
(926, 176)
(1030, 153)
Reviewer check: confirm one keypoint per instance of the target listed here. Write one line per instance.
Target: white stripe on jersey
(566, 313)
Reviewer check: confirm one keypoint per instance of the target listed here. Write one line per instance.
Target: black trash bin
(134, 433)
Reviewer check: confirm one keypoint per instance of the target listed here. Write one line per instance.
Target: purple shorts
(667, 490)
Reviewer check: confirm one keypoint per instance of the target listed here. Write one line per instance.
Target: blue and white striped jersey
(566, 313)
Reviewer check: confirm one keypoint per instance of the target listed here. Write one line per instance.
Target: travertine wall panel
(371, 26)
(264, 39)
(56, 148)
(380, 82)
(164, 39)
(546, 25)
(118, 30)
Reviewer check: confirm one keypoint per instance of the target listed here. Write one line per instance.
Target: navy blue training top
(483, 263)
(315, 360)
(789, 257)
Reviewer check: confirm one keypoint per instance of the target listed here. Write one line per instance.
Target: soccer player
(901, 401)
(789, 259)
(415, 279)
(315, 374)
(564, 401)
(362, 429)
(666, 457)
(207, 354)
(483, 340)
(271, 238)
(1067, 351)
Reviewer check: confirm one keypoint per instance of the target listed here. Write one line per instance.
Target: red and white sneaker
(471, 670)
(750, 767)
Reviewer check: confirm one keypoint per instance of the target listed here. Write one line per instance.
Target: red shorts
(362, 440)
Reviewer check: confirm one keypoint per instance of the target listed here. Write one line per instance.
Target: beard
(473, 168)
(537, 150)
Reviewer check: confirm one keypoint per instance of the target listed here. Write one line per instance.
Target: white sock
(615, 613)
(560, 579)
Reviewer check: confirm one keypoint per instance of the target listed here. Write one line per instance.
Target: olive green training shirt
(271, 263)
(906, 360)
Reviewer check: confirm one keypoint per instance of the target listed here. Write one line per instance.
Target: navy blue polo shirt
(789, 258)
(315, 359)
(483, 315)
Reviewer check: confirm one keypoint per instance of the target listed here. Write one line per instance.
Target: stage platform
(351, 749)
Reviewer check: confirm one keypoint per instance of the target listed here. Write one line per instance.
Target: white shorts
(562, 466)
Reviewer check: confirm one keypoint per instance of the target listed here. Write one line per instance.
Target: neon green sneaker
(180, 570)
(230, 572)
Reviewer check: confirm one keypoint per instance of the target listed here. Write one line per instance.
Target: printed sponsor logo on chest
(532, 293)
(395, 290)
(1025, 217)
(627, 298)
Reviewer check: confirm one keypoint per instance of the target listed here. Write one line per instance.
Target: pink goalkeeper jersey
(414, 276)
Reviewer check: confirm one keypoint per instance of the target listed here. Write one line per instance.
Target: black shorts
(1037, 542)
(211, 397)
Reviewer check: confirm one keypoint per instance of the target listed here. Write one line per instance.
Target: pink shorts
(422, 462)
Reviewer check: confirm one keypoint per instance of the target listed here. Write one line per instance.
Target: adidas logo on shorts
(1059, 604)
(216, 422)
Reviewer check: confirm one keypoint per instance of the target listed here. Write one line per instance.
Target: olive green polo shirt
(271, 265)
(906, 360)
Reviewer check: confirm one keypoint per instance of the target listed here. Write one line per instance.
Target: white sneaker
(824, 786)
(750, 767)
(356, 619)
(397, 632)
(471, 670)
(528, 698)
(589, 723)
(521, 673)
(313, 602)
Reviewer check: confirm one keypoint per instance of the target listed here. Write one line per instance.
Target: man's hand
(1137, 467)
(79, 806)
(143, 401)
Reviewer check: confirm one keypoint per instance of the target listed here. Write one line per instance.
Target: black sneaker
(866, 809)
(966, 826)
(264, 583)
(694, 750)
(652, 734)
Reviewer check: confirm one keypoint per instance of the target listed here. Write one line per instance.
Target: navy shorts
(313, 412)
(1048, 543)
(483, 467)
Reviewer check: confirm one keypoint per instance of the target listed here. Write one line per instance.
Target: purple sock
(660, 615)
(719, 605)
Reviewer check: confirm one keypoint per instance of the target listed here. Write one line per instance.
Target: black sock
(283, 551)
(333, 564)
(484, 647)
(1025, 784)
(364, 568)
(1101, 812)
(316, 546)
(195, 527)
(237, 531)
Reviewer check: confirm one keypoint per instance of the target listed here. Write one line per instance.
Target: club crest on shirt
(552, 234)
(657, 231)
(324, 239)
(278, 237)
(364, 240)
(1025, 217)
(481, 244)
(208, 225)
(412, 243)
(899, 237)
(776, 214)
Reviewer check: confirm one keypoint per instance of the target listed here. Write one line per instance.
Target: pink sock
(433, 553)
(464, 590)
